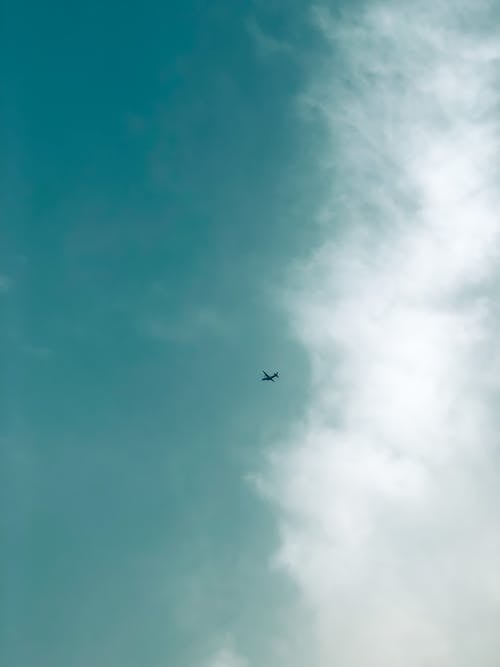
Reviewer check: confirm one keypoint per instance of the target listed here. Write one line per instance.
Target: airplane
(270, 377)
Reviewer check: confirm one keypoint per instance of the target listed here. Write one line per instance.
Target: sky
(192, 192)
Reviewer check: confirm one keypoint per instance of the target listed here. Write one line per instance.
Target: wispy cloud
(38, 351)
(188, 326)
(387, 493)
(265, 44)
(5, 283)
(136, 123)
(226, 657)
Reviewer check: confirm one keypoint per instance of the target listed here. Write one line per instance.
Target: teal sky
(148, 211)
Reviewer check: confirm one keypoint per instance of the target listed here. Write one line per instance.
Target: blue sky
(191, 192)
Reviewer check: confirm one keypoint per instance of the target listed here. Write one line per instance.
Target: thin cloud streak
(226, 657)
(5, 284)
(387, 491)
(265, 44)
(192, 325)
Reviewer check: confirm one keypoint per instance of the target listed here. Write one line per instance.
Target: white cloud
(387, 493)
(226, 657)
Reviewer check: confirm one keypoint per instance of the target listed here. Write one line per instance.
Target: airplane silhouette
(270, 378)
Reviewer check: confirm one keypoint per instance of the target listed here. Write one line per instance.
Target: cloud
(265, 44)
(226, 657)
(136, 123)
(188, 327)
(5, 283)
(387, 490)
(40, 352)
